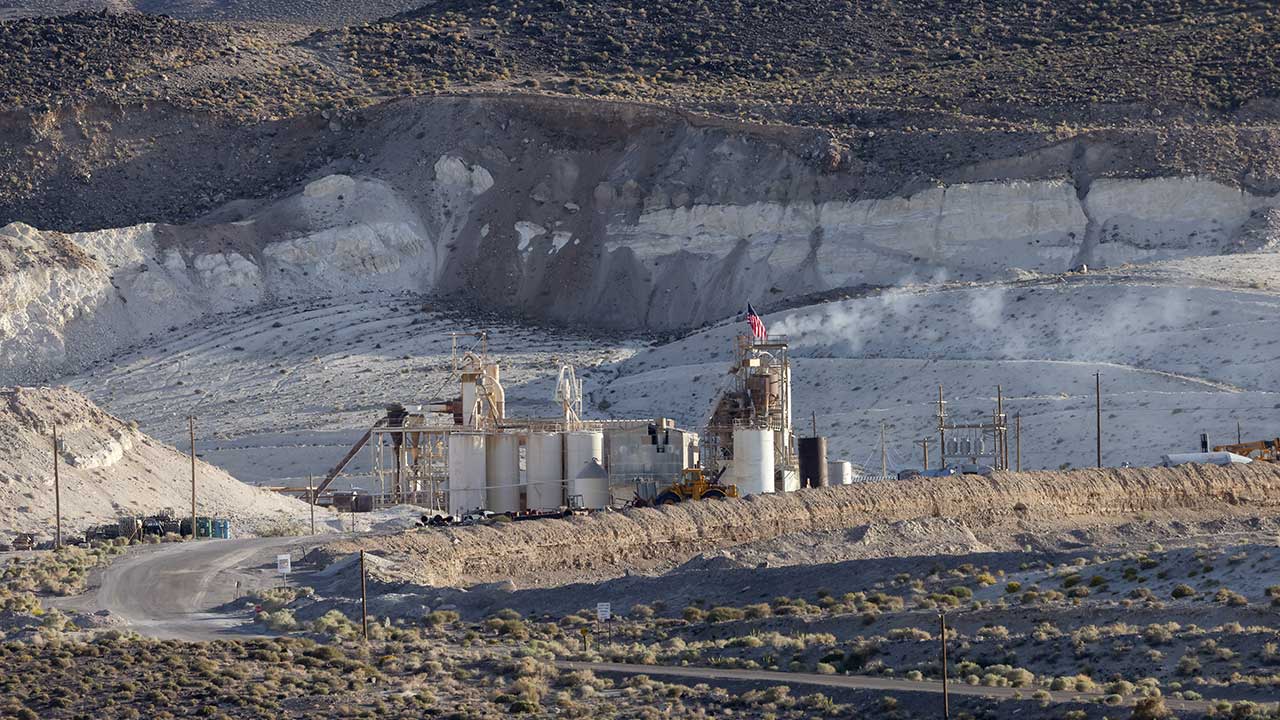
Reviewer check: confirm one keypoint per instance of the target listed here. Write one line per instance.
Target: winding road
(173, 591)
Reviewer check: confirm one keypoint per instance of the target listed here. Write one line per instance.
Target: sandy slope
(108, 468)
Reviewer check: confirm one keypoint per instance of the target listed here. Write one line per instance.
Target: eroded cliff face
(611, 216)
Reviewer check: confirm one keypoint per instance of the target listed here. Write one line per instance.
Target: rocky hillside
(609, 215)
(108, 469)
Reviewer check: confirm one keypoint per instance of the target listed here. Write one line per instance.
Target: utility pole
(1002, 452)
(191, 429)
(884, 457)
(815, 423)
(1097, 401)
(1238, 439)
(311, 496)
(924, 443)
(364, 600)
(1017, 439)
(942, 638)
(57, 494)
(942, 430)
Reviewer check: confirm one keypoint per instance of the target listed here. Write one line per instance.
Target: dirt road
(856, 682)
(172, 591)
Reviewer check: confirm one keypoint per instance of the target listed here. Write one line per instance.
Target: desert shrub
(437, 618)
(1230, 597)
(694, 614)
(1150, 708)
(1183, 591)
(643, 612)
(1013, 587)
(335, 625)
(759, 610)
(994, 632)
(1158, 634)
(725, 614)
(279, 620)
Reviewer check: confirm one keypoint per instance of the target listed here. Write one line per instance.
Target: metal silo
(502, 466)
(580, 448)
(840, 472)
(753, 461)
(592, 485)
(467, 474)
(544, 471)
(813, 462)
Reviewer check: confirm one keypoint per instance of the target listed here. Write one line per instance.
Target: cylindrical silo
(502, 466)
(467, 474)
(580, 448)
(840, 472)
(753, 461)
(592, 485)
(813, 461)
(544, 471)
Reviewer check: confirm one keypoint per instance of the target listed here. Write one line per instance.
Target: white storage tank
(467, 474)
(592, 485)
(502, 466)
(544, 471)
(840, 472)
(580, 448)
(753, 461)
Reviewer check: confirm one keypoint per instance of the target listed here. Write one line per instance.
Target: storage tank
(502, 467)
(592, 485)
(840, 472)
(467, 474)
(580, 448)
(753, 461)
(813, 461)
(544, 471)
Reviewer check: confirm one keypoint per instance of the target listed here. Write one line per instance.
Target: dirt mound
(108, 469)
(608, 545)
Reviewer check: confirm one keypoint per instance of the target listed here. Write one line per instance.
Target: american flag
(757, 325)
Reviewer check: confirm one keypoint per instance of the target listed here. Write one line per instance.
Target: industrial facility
(462, 454)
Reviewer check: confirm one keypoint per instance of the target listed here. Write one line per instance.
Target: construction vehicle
(1258, 450)
(694, 485)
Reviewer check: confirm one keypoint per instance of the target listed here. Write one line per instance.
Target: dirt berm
(601, 546)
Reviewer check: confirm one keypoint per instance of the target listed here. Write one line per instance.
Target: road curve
(858, 682)
(171, 591)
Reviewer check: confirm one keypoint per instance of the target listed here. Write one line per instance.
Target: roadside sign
(284, 564)
(604, 611)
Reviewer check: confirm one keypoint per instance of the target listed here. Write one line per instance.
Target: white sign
(604, 611)
(284, 564)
